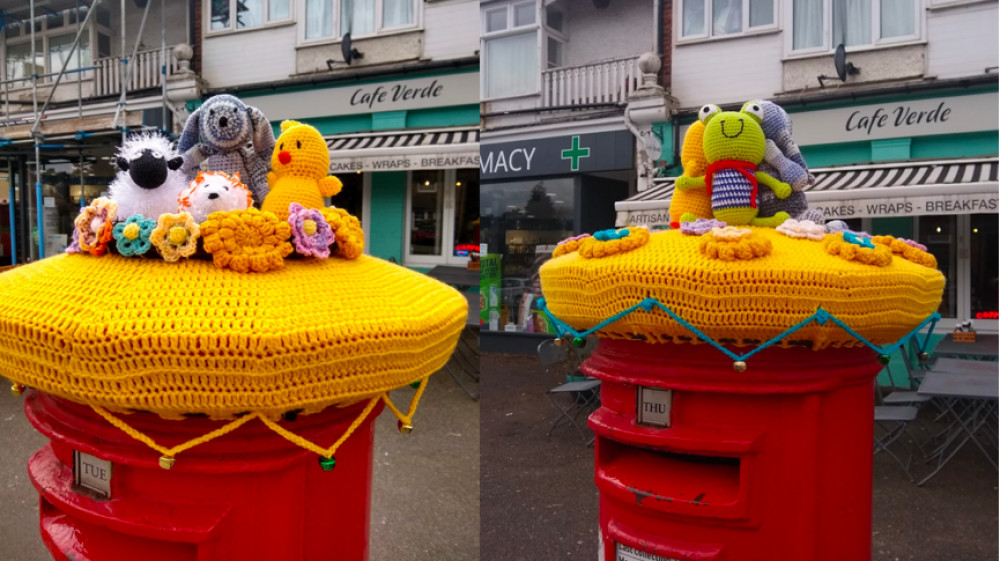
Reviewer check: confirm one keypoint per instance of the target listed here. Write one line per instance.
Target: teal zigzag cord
(821, 317)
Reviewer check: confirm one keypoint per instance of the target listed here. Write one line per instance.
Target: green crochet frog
(734, 146)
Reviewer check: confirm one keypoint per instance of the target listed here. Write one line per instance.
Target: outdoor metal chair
(581, 393)
(893, 420)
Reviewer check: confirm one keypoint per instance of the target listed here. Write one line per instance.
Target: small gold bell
(17, 389)
(404, 428)
(166, 462)
(740, 366)
(558, 342)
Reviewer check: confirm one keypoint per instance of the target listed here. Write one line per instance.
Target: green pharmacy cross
(575, 153)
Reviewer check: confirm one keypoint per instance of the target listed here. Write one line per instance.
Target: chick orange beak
(284, 157)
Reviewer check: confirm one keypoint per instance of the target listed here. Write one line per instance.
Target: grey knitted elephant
(221, 131)
(783, 160)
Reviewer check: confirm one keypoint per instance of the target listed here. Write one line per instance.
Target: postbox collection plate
(92, 473)
(653, 406)
(626, 553)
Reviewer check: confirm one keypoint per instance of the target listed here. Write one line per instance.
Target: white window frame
(876, 29)
(551, 33)
(706, 33)
(67, 28)
(207, 18)
(447, 226)
(537, 28)
(417, 24)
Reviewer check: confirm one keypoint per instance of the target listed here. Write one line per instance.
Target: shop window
(227, 15)
(351, 195)
(357, 17)
(442, 225)
(821, 25)
(466, 212)
(940, 235)
(983, 267)
(510, 49)
(522, 221)
(426, 205)
(725, 17)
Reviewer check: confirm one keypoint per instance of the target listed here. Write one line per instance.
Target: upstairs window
(717, 18)
(821, 25)
(229, 15)
(510, 60)
(555, 36)
(357, 17)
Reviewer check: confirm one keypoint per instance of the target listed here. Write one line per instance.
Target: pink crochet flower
(74, 246)
(310, 232)
(913, 243)
(701, 226)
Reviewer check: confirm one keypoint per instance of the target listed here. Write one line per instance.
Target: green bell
(327, 463)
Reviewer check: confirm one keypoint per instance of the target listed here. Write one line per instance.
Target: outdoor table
(970, 399)
(984, 348)
(459, 277)
(965, 366)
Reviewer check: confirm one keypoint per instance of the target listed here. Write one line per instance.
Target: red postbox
(696, 461)
(248, 495)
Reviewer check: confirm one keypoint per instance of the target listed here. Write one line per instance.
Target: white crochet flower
(731, 233)
(802, 229)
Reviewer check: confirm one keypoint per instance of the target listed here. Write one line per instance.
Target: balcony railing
(146, 74)
(608, 81)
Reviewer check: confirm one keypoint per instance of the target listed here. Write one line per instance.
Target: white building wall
(624, 29)
(962, 41)
(249, 57)
(451, 29)
(727, 70)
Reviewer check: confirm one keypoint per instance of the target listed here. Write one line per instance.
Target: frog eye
(755, 109)
(707, 111)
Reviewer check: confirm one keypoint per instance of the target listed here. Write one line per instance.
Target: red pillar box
(736, 370)
(200, 413)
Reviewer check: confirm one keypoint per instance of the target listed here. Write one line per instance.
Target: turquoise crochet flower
(132, 236)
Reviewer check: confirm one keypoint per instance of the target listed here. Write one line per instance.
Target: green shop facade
(917, 161)
(406, 147)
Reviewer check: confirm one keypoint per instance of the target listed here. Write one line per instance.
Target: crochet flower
(852, 247)
(569, 245)
(74, 246)
(247, 240)
(701, 226)
(132, 236)
(350, 238)
(802, 229)
(310, 232)
(611, 242)
(731, 244)
(175, 236)
(908, 249)
(93, 226)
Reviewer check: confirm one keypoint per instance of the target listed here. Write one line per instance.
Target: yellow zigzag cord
(274, 426)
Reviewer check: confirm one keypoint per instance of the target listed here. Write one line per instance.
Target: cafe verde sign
(376, 97)
(943, 115)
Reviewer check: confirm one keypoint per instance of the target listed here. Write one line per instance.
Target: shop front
(921, 166)
(406, 148)
(538, 189)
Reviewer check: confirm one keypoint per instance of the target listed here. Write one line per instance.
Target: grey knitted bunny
(222, 131)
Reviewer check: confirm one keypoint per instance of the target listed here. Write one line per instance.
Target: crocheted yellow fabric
(187, 337)
(300, 164)
(744, 301)
(695, 201)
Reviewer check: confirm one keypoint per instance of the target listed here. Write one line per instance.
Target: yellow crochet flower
(907, 251)
(610, 242)
(247, 240)
(731, 244)
(349, 237)
(569, 245)
(862, 252)
(95, 224)
(175, 236)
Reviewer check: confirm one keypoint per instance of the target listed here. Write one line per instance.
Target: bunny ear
(263, 135)
(191, 131)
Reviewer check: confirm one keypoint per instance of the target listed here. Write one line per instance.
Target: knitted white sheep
(149, 176)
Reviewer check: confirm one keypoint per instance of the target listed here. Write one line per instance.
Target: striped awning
(404, 150)
(965, 186)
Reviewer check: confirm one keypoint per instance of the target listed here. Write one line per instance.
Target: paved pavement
(425, 493)
(539, 500)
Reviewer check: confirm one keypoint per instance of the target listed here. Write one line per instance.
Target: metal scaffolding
(38, 140)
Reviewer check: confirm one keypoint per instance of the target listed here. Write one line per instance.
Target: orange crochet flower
(731, 244)
(95, 226)
(610, 242)
(569, 245)
(175, 236)
(907, 251)
(877, 254)
(247, 240)
(349, 236)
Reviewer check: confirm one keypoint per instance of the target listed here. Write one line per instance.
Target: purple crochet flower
(310, 232)
(912, 243)
(701, 226)
(74, 246)
(573, 239)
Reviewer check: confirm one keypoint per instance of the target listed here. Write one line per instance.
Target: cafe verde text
(899, 116)
(370, 97)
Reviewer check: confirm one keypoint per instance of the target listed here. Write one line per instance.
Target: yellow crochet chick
(299, 163)
(689, 203)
